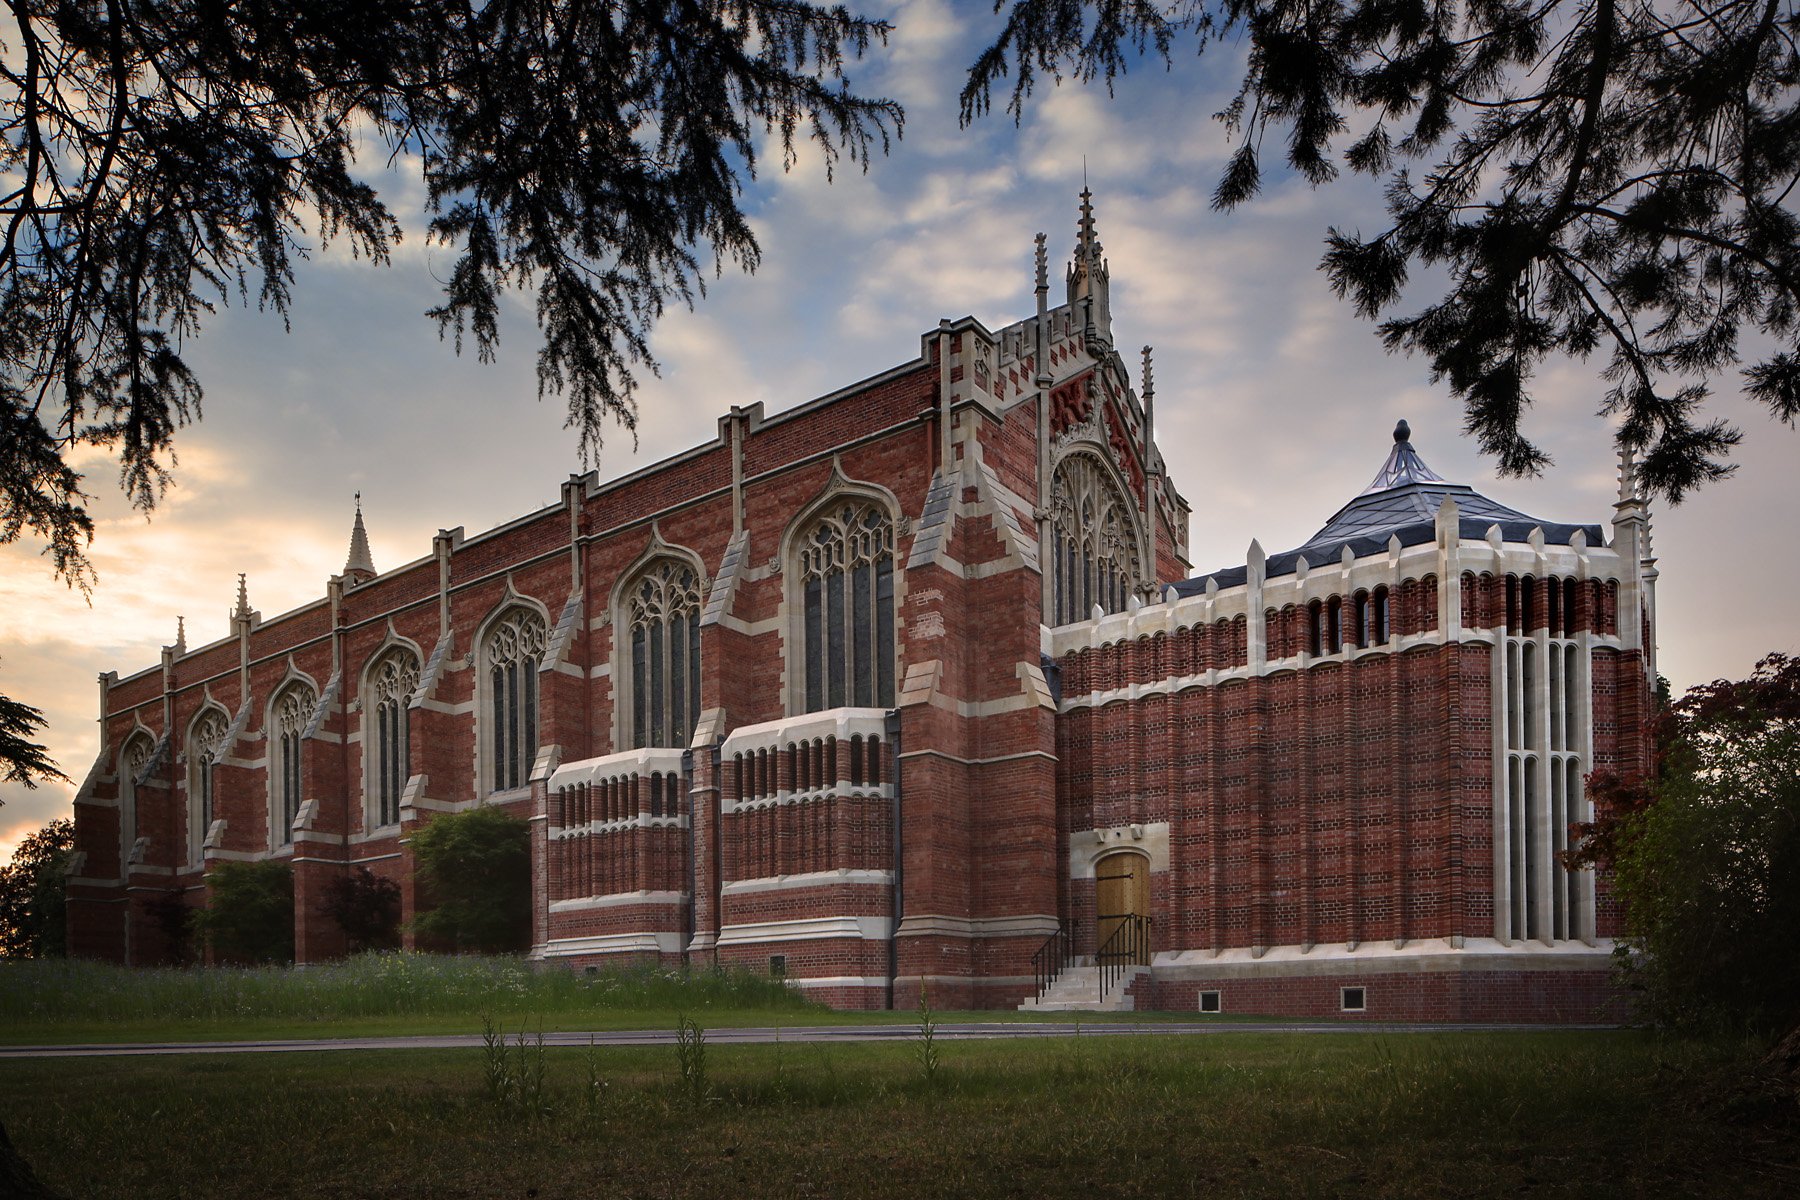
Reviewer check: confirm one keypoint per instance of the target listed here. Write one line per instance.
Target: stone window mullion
(514, 648)
(205, 743)
(847, 595)
(663, 611)
(1093, 542)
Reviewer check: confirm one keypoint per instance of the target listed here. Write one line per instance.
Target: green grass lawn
(143, 1030)
(1563, 1114)
(377, 994)
(400, 994)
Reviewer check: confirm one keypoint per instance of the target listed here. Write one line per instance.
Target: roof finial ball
(1403, 431)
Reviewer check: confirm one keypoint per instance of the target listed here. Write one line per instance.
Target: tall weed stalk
(928, 1054)
(690, 1058)
(496, 1072)
(593, 1092)
(513, 1076)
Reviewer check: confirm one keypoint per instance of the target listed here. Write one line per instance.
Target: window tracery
(133, 762)
(1093, 542)
(513, 650)
(293, 712)
(392, 682)
(846, 562)
(206, 743)
(663, 617)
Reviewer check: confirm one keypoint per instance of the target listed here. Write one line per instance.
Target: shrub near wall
(367, 908)
(474, 868)
(249, 915)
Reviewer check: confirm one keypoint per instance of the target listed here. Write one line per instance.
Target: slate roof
(1402, 501)
(359, 558)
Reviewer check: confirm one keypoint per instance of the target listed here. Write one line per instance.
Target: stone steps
(1077, 989)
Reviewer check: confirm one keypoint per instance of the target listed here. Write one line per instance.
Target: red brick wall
(1558, 996)
(1346, 802)
(1350, 801)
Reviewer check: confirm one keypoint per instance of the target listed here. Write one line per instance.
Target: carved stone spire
(1152, 472)
(180, 636)
(1631, 538)
(1627, 477)
(1089, 279)
(242, 610)
(359, 567)
(1089, 244)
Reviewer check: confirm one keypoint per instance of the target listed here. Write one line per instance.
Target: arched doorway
(1122, 909)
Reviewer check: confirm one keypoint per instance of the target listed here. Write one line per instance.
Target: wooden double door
(1122, 897)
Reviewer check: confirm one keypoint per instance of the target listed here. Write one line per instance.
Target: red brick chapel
(914, 683)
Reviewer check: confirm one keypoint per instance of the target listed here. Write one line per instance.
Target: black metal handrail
(1051, 958)
(1128, 946)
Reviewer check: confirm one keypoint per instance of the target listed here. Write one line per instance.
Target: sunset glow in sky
(1274, 401)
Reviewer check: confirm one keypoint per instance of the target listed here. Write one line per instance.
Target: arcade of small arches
(797, 768)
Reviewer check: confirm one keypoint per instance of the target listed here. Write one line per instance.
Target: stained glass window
(206, 740)
(1093, 542)
(514, 648)
(663, 615)
(847, 573)
(391, 685)
(293, 712)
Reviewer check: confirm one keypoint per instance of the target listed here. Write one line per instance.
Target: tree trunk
(16, 1177)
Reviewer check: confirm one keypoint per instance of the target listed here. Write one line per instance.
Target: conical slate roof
(1404, 492)
(1401, 501)
(360, 559)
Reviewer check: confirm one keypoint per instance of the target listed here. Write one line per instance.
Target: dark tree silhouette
(21, 759)
(158, 156)
(1601, 175)
(32, 907)
(1705, 855)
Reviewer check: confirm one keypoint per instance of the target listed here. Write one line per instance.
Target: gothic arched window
(391, 683)
(1093, 542)
(662, 615)
(512, 651)
(291, 713)
(205, 745)
(133, 761)
(846, 561)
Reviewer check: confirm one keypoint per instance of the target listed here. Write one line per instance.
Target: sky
(1275, 402)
